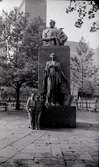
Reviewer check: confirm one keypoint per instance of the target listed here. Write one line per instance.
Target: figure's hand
(29, 110)
(46, 103)
(47, 39)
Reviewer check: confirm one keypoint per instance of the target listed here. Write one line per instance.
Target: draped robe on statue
(52, 85)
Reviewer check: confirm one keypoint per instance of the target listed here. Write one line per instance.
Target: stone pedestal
(62, 56)
(59, 117)
(56, 116)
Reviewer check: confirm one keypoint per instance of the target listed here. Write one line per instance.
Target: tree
(83, 67)
(21, 39)
(84, 9)
(96, 79)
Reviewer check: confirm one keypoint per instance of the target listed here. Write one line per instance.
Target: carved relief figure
(54, 84)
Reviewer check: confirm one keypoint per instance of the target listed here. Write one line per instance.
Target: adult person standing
(30, 107)
(34, 107)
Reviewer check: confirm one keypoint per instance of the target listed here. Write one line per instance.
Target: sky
(56, 11)
(9, 4)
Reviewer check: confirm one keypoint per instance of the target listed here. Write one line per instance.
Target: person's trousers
(31, 117)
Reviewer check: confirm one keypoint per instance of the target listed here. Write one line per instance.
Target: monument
(57, 112)
(54, 79)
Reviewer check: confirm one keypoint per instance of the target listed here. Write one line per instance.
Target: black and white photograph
(49, 83)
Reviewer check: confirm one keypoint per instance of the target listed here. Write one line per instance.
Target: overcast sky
(56, 11)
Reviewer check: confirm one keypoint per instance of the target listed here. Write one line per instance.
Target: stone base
(59, 117)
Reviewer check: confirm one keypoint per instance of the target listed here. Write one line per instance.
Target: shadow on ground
(46, 161)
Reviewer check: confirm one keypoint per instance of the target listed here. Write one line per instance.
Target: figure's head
(52, 56)
(52, 23)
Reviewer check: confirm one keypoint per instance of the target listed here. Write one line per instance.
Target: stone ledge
(59, 117)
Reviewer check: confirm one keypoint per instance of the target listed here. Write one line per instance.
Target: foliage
(83, 67)
(84, 9)
(18, 62)
(96, 79)
(7, 93)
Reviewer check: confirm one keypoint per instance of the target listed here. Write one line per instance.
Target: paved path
(23, 147)
(88, 119)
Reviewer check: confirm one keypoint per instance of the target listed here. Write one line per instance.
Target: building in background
(34, 8)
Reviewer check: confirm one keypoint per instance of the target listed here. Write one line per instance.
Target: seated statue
(54, 83)
(53, 36)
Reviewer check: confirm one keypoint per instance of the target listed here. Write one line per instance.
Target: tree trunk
(18, 97)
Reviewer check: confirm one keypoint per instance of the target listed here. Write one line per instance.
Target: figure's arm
(45, 36)
(62, 37)
(48, 39)
(45, 74)
(46, 68)
(65, 78)
(28, 104)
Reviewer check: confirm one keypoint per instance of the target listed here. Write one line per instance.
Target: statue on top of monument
(54, 83)
(53, 36)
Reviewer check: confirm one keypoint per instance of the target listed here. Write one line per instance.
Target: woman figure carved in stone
(53, 82)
